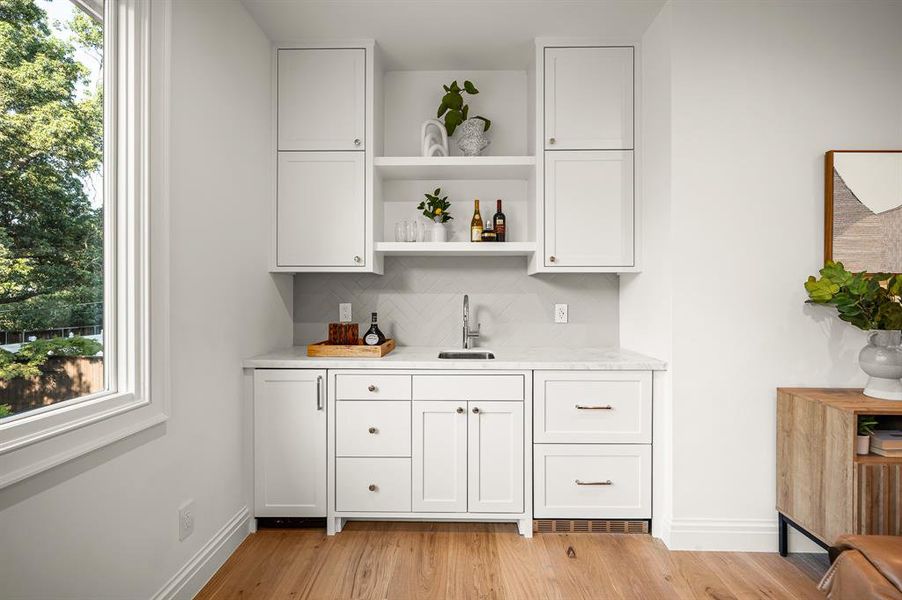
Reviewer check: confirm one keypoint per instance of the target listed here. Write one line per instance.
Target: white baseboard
(192, 577)
(732, 535)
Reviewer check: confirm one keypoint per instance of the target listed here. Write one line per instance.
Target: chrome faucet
(468, 335)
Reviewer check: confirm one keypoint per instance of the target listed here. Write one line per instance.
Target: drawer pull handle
(475, 410)
(460, 410)
(606, 482)
(584, 407)
(372, 487)
(373, 430)
(371, 387)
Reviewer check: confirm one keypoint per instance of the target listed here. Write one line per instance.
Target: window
(82, 224)
(51, 206)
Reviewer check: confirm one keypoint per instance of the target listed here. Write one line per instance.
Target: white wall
(105, 525)
(646, 299)
(760, 92)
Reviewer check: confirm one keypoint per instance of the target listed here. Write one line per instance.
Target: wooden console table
(823, 488)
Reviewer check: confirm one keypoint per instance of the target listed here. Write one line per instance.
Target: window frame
(136, 254)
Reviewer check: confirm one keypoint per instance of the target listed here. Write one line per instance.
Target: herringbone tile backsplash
(419, 301)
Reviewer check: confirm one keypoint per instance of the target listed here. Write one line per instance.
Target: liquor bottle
(374, 337)
(488, 234)
(500, 222)
(476, 226)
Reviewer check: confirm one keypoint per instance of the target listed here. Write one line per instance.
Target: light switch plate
(186, 519)
(560, 313)
(344, 312)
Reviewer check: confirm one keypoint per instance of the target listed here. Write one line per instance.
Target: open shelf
(456, 248)
(455, 167)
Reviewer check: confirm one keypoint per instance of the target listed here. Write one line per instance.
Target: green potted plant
(435, 208)
(866, 426)
(873, 303)
(473, 139)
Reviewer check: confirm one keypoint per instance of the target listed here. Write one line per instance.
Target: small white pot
(438, 233)
(862, 444)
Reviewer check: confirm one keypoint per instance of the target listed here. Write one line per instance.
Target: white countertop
(424, 357)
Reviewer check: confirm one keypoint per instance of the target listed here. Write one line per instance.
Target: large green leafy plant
(867, 301)
(454, 109)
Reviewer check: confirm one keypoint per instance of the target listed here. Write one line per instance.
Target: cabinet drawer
(468, 387)
(584, 481)
(372, 387)
(593, 407)
(372, 484)
(380, 428)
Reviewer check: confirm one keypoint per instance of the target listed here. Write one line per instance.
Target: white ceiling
(453, 34)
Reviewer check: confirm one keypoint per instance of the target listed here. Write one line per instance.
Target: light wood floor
(397, 561)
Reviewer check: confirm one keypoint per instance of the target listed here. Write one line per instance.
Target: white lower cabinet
(593, 481)
(456, 446)
(440, 456)
(495, 457)
(289, 443)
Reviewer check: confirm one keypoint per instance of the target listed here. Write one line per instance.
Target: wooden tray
(359, 351)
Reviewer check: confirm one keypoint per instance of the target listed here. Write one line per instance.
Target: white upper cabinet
(321, 210)
(322, 99)
(589, 211)
(589, 98)
(289, 443)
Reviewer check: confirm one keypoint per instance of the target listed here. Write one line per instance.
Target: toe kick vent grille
(589, 526)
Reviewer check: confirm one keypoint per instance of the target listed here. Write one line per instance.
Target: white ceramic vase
(862, 444)
(881, 359)
(437, 232)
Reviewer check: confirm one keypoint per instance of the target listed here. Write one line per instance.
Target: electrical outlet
(344, 312)
(186, 519)
(560, 313)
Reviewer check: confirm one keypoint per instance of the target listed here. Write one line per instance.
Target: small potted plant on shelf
(435, 208)
(873, 303)
(473, 139)
(866, 425)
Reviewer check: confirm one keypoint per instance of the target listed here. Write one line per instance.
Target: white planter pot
(881, 359)
(862, 444)
(438, 233)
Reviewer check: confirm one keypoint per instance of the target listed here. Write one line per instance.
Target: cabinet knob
(357, 259)
(356, 141)
(476, 410)
(373, 430)
(551, 140)
(552, 259)
(460, 410)
(371, 387)
(372, 487)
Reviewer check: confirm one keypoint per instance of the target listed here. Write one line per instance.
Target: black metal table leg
(783, 534)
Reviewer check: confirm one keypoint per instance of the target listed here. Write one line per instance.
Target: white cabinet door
(440, 456)
(495, 457)
(290, 443)
(589, 98)
(321, 211)
(322, 99)
(589, 209)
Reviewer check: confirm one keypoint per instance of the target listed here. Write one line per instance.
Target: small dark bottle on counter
(500, 222)
(373, 336)
(488, 234)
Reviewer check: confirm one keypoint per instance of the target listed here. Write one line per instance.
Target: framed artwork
(863, 209)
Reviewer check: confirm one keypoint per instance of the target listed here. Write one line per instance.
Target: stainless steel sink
(466, 354)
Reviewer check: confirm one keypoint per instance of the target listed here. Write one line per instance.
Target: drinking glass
(400, 232)
(411, 231)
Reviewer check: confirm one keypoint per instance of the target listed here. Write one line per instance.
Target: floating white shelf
(455, 167)
(456, 248)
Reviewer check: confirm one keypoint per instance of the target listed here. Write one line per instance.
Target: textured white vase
(472, 140)
(881, 359)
